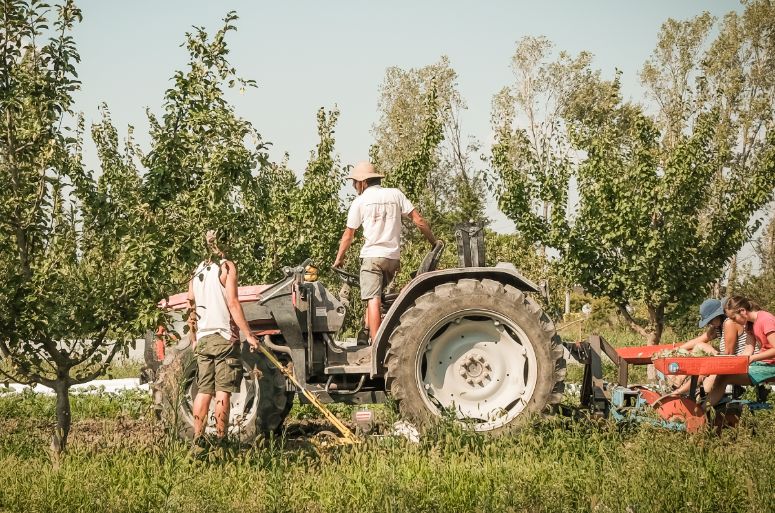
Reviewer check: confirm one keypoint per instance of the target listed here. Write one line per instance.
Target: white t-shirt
(379, 210)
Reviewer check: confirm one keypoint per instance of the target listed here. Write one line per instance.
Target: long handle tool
(348, 436)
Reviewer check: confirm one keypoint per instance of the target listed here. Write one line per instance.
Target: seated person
(760, 328)
(731, 337)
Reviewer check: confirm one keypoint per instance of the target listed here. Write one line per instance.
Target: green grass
(29, 405)
(121, 461)
(550, 465)
(123, 369)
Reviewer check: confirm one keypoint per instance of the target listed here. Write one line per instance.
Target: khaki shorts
(376, 274)
(219, 365)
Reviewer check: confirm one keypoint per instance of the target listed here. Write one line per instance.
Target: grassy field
(121, 460)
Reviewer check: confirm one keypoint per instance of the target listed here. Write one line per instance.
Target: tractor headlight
(310, 273)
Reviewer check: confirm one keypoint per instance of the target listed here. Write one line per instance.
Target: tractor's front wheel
(260, 406)
(479, 350)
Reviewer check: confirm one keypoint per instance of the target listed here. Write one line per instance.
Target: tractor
(467, 341)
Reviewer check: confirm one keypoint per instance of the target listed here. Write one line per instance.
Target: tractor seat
(388, 299)
(429, 263)
(431, 260)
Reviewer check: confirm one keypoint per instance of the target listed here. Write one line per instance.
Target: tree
(643, 231)
(202, 164)
(420, 126)
(532, 157)
(79, 282)
(320, 215)
(761, 286)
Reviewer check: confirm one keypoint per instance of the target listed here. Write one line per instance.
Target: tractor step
(352, 359)
(348, 369)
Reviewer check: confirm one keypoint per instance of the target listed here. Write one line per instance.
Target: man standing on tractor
(379, 209)
(216, 320)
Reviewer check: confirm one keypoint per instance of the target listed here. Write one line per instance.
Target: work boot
(363, 337)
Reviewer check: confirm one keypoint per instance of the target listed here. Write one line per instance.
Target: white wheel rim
(482, 365)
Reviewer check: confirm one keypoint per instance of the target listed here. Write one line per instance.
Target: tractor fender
(505, 273)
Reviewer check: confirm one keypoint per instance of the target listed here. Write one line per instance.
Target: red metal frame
(701, 365)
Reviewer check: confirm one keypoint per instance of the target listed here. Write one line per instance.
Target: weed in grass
(97, 404)
(551, 464)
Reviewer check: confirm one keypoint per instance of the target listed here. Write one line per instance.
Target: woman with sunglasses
(731, 338)
(760, 326)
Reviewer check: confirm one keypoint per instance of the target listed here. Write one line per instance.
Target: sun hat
(709, 310)
(363, 171)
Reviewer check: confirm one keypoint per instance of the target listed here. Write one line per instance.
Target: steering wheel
(346, 277)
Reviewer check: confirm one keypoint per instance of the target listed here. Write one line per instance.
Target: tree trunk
(59, 440)
(656, 323)
(732, 280)
(567, 301)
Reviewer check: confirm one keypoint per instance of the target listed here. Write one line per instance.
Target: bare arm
(691, 344)
(730, 336)
(235, 308)
(344, 245)
(766, 354)
(191, 315)
(420, 222)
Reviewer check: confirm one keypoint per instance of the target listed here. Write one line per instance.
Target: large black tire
(480, 367)
(258, 409)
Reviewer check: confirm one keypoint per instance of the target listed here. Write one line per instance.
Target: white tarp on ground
(98, 385)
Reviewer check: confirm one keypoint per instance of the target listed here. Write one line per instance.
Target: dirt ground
(103, 434)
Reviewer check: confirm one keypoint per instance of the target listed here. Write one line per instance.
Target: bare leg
(222, 406)
(718, 386)
(685, 384)
(201, 408)
(374, 315)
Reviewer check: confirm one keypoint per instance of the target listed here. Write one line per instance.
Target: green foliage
(533, 163)
(761, 287)
(532, 157)
(83, 263)
(419, 144)
(98, 404)
(317, 207)
(664, 202)
(201, 163)
(551, 465)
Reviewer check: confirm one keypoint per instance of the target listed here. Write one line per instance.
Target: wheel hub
(475, 369)
(486, 372)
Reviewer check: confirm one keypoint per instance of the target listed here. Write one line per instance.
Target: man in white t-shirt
(379, 209)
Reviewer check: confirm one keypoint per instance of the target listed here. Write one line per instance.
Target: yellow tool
(348, 436)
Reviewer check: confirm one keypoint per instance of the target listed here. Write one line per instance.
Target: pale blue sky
(308, 54)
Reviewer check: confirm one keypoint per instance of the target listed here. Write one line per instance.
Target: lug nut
(463, 371)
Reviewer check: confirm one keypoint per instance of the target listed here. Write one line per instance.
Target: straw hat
(363, 171)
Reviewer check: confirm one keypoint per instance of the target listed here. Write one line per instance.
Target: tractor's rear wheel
(479, 349)
(260, 407)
